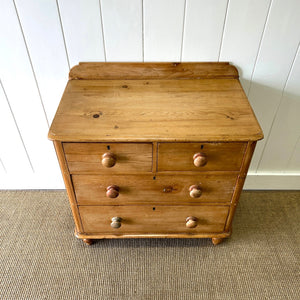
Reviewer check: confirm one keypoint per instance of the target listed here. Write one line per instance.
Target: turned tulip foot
(88, 241)
(217, 241)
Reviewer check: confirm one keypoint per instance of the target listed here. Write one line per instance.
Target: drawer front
(127, 157)
(218, 156)
(150, 219)
(146, 189)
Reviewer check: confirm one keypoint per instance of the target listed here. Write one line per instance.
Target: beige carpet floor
(41, 259)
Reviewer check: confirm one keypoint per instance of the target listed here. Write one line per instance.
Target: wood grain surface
(174, 70)
(155, 110)
(154, 150)
(87, 157)
(68, 183)
(147, 189)
(153, 219)
(240, 182)
(220, 156)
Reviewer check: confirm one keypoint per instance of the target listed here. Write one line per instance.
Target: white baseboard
(278, 181)
(31, 181)
(254, 181)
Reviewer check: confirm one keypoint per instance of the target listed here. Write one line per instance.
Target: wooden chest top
(138, 102)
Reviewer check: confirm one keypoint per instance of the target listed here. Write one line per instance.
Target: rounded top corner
(73, 71)
(234, 70)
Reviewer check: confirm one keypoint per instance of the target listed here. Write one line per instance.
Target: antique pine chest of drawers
(155, 150)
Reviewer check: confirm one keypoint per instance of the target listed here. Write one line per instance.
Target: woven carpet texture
(41, 259)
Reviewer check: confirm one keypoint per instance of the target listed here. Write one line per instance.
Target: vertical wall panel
(12, 151)
(42, 31)
(286, 128)
(294, 161)
(39, 40)
(203, 29)
(242, 35)
(122, 26)
(163, 28)
(82, 29)
(20, 87)
(277, 52)
(2, 169)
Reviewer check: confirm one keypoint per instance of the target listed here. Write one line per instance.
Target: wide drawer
(218, 156)
(153, 219)
(128, 157)
(145, 189)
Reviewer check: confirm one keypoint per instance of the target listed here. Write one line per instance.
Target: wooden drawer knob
(112, 191)
(200, 159)
(191, 222)
(108, 160)
(116, 222)
(195, 191)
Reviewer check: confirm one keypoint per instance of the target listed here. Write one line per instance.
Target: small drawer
(153, 219)
(145, 189)
(108, 157)
(200, 156)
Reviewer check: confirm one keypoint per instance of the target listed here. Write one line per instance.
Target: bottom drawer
(153, 219)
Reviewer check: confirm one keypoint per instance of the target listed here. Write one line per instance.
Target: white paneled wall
(41, 40)
(243, 32)
(163, 29)
(81, 24)
(275, 59)
(203, 29)
(123, 18)
(46, 49)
